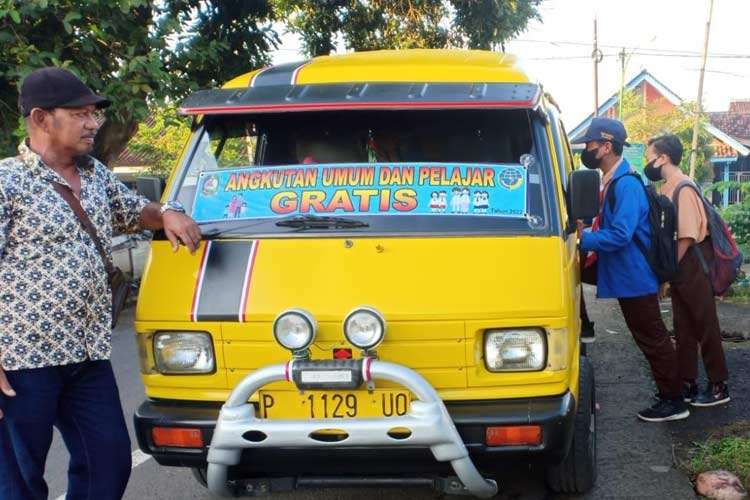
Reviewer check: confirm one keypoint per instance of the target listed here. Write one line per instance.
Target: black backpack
(661, 253)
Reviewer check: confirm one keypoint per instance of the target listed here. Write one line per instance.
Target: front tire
(577, 472)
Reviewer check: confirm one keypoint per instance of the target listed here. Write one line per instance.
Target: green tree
(645, 120)
(216, 40)
(401, 24)
(161, 138)
(316, 22)
(136, 52)
(107, 43)
(488, 24)
(737, 216)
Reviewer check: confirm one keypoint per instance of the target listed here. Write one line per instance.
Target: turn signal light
(177, 437)
(518, 435)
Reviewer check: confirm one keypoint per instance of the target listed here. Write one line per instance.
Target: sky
(663, 36)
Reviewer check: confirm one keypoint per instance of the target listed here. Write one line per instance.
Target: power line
(659, 51)
(710, 56)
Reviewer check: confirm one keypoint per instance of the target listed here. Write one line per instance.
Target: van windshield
(445, 171)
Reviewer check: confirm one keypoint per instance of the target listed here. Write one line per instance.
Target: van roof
(386, 79)
(414, 65)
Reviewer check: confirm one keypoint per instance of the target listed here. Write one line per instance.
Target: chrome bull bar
(427, 419)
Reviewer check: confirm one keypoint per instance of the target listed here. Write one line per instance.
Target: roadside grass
(740, 291)
(729, 450)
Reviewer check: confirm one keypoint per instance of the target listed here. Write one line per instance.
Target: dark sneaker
(587, 332)
(689, 392)
(712, 395)
(665, 410)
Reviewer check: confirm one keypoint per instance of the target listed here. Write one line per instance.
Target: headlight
(295, 329)
(184, 352)
(521, 349)
(364, 328)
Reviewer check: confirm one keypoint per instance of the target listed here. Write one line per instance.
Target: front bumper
(286, 452)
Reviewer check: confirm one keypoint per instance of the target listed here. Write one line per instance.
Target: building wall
(650, 95)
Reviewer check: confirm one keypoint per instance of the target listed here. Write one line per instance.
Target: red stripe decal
(248, 277)
(256, 75)
(199, 282)
(296, 72)
(356, 105)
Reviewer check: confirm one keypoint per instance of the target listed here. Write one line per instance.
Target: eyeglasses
(83, 116)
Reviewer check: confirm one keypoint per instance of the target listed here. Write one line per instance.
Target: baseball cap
(604, 129)
(54, 87)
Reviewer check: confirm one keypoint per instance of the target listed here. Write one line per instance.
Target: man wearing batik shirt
(55, 300)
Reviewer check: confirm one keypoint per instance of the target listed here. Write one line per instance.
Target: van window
(564, 158)
(447, 139)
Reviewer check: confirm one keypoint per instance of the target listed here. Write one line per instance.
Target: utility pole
(597, 56)
(699, 104)
(622, 84)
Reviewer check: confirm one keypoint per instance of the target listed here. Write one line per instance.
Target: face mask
(589, 159)
(653, 173)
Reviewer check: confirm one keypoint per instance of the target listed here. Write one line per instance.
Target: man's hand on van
(5, 388)
(181, 228)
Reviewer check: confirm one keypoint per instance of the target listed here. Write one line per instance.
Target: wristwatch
(172, 205)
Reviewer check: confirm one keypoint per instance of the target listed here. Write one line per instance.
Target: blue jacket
(623, 271)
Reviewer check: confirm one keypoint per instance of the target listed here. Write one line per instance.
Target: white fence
(735, 195)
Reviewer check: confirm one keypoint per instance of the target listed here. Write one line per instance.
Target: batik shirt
(55, 301)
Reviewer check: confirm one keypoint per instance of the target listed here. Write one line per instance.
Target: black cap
(604, 129)
(53, 87)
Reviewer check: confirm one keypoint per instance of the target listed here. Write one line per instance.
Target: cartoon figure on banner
(434, 202)
(465, 200)
(477, 202)
(455, 200)
(226, 211)
(442, 201)
(210, 185)
(243, 209)
(485, 202)
(239, 201)
(232, 206)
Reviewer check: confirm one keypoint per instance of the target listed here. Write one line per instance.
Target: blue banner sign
(361, 189)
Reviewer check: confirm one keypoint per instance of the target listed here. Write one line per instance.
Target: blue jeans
(83, 402)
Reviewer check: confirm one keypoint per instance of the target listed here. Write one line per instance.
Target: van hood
(407, 279)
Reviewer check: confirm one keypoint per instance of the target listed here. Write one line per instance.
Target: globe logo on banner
(511, 178)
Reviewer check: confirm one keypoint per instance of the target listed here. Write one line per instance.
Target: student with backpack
(693, 306)
(623, 270)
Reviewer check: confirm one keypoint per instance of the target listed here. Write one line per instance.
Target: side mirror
(583, 195)
(150, 186)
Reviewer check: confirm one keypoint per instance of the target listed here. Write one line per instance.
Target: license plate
(333, 404)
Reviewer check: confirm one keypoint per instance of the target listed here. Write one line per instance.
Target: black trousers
(695, 319)
(643, 317)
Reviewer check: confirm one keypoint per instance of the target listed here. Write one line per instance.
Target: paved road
(635, 458)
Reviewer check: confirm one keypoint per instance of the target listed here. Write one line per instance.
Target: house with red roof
(730, 131)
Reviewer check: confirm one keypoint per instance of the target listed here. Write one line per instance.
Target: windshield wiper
(320, 222)
(216, 232)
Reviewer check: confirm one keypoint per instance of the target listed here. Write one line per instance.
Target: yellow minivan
(387, 290)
